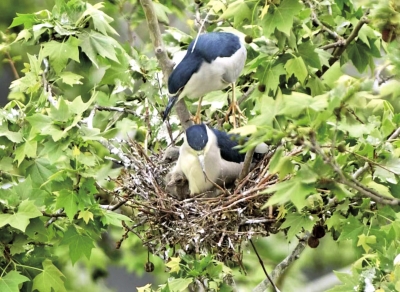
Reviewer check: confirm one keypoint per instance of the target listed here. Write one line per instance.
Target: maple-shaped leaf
(179, 284)
(173, 264)
(40, 171)
(15, 137)
(298, 223)
(296, 189)
(307, 51)
(20, 219)
(297, 67)
(68, 200)
(26, 149)
(352, 228)
(270, 76)
(59, 53)
(100, 19)
(79, 244)
(112, 218)
(359, 56)
(282, 17)
(238, 10)
(86, 215)
(70, 78)
(94, 43)
(11, 281)
(349, 282)
(51, 279)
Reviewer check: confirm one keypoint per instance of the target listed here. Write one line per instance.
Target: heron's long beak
(200, 157)
(171, 102)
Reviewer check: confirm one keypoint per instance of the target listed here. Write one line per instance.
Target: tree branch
(247, 163)
(342, 44)
(116, 109)
(351, 182)
(316, 20)
(283, 265)
(394, 135)
(161, 54)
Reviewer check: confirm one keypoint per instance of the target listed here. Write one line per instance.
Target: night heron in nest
(209, 157)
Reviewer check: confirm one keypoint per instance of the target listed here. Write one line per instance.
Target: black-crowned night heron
(208, 157)
(212, 62)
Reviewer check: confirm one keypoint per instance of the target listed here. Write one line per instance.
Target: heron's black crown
(209, 46)
(196, 137)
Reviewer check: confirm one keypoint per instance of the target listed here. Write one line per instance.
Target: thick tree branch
(283, 265)
(342, 44)
(352, 35)
(165, 62)
(155, 35)
(394, 135)
(247, 163)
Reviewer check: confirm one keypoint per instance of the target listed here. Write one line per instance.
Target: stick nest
(197, 224)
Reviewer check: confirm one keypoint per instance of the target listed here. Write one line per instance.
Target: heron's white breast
(215, 75)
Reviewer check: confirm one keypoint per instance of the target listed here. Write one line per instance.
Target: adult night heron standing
(208, 157)
(212, 62)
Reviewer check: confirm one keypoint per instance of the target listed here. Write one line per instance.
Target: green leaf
(298, 223)
(280, 164)
(335, 220)
(282, 17)
(161, 12)
(70, 78)
(270, 76)
(297, 68)
(179, 285)
(20, 219)
(94, 44)
(60, 53)
(293, 189)
(365, 241)
(60, 112)
(86, 215)
(174, 264)
(349, 282)
(316, 86)
(39, 121)
(40, 171)
(100, 19)
(15, 137)
(79, 244)
(296, 189)
(77, 106)
(68, 200)
(26, 19)
(51, 279)
(11, 282)
(307, 52)
(296, 104)
(238, 10)
(27, 149)
(358, 54)
(352, 228)
(112, 218)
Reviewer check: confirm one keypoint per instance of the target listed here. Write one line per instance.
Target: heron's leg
(197, 117)
(233, 108)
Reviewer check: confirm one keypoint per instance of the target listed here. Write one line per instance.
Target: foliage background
(62, 158)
